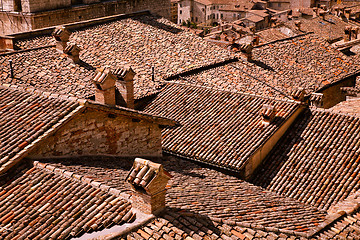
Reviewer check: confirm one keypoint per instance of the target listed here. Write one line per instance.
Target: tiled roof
(271, 34)
(318, 160)
(49, 70)
(243, 77)
(216, 127)
(174, 224)
(25, 116)
(209, 193)
(331, 29)
(143, 42)
(351, 106)
(306, 61)
(42, 204)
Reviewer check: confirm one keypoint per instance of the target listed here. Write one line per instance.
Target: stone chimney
(317, 100)
(322, 14)
(6, 43)
(273, 21)
(354, 32)
(61, 35)
(148, 181)
(256, 40)
(298, 25)
(246, 49)
(105, 87)
(347, 13)
(316, 11)
(125, 77)
(267, 113)
(298, 94)
(347, 33)
(73, 51)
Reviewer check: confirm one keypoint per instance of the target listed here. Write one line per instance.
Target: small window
(203, 9)
(196, 19)
(279, 4)
(180, 5)
(222, 16)
(180, 11)
(217, 16)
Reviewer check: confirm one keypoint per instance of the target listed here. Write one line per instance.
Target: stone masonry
(101, 133)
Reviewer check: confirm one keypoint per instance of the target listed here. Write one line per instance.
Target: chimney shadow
(86, 65)
(263, 65)
(152, 21)
(186, 220)
(278, 157)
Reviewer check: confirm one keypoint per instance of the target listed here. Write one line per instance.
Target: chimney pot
(298, 94)
(61, 35)
(317, 100)
(298, 24)
(149, 186)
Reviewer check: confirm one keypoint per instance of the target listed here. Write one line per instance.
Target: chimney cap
(125, 73)
(267, 113)
(72, 49)
(148, 176)
(104, 79)
(298, 94)
(61, 34)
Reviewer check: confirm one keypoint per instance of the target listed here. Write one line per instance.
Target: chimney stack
(298, 94)
(348, 13)
(316, 11)
(125, 77)
(148, 181)
(61, 35)
(6, 43)
(73, 51)
(322, 14)
(317, 100)
(298, 24)
(354, 32)
(256, 41)
(105, 87)
(347, 33)
(246, 49)
(267, 113)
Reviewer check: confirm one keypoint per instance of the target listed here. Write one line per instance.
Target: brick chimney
(267, 113)
(148, 181)
(317, 100)
(347, 33)
(256, 41)
(246, 49)
(322, 14)
(105, 87)
(298, 94)
(125, 77)
(61, 35)
(298, 24)
(73, 51)
(354, 32)
(347, 13)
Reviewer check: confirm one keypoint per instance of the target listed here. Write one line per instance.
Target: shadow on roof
(154, 22)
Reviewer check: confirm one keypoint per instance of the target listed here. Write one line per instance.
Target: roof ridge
(237, 93)
(284, 39)
(26, 50)
(80, 178)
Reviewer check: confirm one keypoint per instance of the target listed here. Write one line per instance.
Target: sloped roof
(209, 194)
(41, 203)
(217, 127)
(306, 61)
(49, 70)
(317, 161)
(351, 107)
(141, 42)
(25, 117)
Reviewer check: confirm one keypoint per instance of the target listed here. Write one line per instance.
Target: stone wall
(333, 94)
(95, 132)
(15, 22)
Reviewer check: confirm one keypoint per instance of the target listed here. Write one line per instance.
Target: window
(180, 11)
(279, 4)
(203, 9)
(222, 16)
(217, 16)
(180, 5)
(196, 19)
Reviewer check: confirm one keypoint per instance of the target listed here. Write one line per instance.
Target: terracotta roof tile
(40, 204)
(217, 127)
(25, 117)
(317, 162)
(307, 61)
(142, 42)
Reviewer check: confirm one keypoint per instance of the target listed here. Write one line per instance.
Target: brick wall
(20, 22)
(95, 132)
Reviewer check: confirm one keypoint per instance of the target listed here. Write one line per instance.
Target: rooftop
(305, 61)
(208, 117)
(210, 194)
(317, 162)
(142, 42)
(25, 117)
(41, 203)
